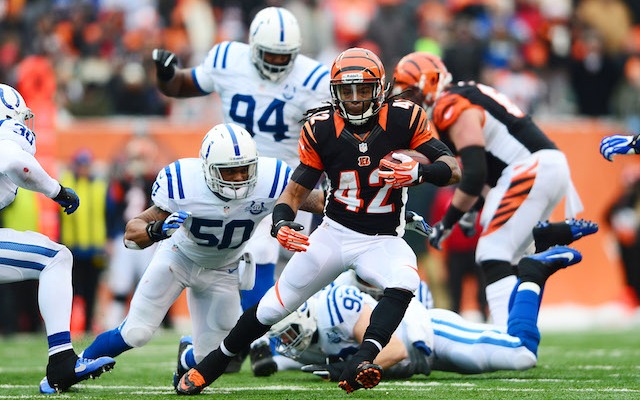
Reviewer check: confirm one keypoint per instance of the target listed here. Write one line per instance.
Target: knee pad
(63, 259)
(268, 314)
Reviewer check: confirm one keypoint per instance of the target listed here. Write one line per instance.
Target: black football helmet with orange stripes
(357, 85)
(420, 77)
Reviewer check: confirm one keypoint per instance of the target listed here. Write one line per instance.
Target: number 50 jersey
(217, 232)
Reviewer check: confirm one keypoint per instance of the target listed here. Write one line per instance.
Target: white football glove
(400, 175)
(619, 144)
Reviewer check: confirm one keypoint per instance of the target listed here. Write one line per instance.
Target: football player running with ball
(364, 214)
(264, 86)
(205, 210)
(30, 255)
(500, 148)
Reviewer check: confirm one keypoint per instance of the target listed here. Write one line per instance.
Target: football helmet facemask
(423, 76)
(357, 67)
(294, 333)
(13, 106)
(274, 30)
(229, 146)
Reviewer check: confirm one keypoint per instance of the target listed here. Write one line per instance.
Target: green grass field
(594, 365)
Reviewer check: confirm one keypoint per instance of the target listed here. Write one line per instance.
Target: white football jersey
(270, 111)
(13, 130)
(338, 310)
(217, 232)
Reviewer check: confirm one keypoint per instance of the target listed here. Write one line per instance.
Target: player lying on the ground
(619, 144)
(329, 327)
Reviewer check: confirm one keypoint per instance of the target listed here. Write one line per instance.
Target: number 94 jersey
(217, 232)
(270, 111)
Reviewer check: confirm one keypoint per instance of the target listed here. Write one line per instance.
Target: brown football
(416, 155)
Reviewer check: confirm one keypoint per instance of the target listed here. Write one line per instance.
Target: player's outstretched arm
(26, 172)
(137, 233)
(172, 80)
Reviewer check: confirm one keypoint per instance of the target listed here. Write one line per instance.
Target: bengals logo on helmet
(423, 75)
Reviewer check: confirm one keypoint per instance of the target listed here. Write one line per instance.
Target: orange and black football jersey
(509, 134)
(358, 198)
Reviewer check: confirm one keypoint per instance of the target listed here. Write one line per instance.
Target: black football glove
(68, 200)
(328, 372)
(166, 63)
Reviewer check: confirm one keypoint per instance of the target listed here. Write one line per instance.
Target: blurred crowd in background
(554, 58)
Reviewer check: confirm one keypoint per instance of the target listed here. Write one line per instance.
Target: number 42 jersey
(217, 232)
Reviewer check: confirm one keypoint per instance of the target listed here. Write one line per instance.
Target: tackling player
(500, 148)
(264, 86)
(205, 210)
(30, 255)
(363, 222)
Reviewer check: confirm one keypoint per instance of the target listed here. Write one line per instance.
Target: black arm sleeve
(306, 176)
(434, 149)
(474, 170)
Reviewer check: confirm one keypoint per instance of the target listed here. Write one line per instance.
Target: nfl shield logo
(363, 147)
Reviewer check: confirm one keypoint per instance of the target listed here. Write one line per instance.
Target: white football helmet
(13, 106)
(229, 146)
(294, 333)
(274, 30)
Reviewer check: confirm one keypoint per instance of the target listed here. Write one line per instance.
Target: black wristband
(283, 212)
(154, 231)
(452, 216)
(438, 173)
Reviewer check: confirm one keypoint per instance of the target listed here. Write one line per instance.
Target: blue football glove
(438, 234)
(173, 222)
(619, 144)
(68, 200)
(415, 222)
(160, 230)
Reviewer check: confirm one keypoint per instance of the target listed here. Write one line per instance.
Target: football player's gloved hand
(328, 372)
(467, 223)
(289, 237)
(400, 175)
(166, 63)
(619, 144)
(68, 200)
(415, 222)
(174, 221)
(160, 230)
(438, 234)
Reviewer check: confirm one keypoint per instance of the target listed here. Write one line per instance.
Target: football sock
(109, 343)
(385, 318)
(59, 342)
(264, 281)
(523, 318)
